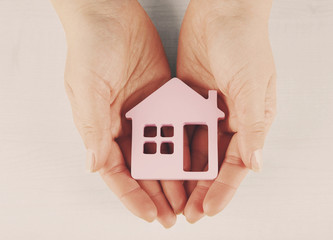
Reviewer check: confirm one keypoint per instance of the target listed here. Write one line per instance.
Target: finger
(270, 103)
(199, 148)
(187, 150)
(165, 214)
(118, 178)
(199, 154)
(175, 193)
(174, 190)
(90, 101)
(231, 174)
(188, 136)
(250, 110)
(189, 187)
(194, 207)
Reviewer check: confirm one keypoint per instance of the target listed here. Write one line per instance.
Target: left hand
(115, 59)
(225, 46)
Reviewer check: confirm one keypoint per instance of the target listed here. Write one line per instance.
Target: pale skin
(224, 45)
(115, 59)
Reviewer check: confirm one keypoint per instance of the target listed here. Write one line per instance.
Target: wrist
(73, 11)
(240, 9)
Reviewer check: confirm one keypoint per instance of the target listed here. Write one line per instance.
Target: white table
(45, 192)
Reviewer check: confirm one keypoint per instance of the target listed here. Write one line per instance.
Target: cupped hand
(224, 45)
(115, 59)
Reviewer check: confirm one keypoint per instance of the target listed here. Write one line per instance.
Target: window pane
(150, 131)
(167, 131)
(149, 148)
(199, 144)
(167, 148)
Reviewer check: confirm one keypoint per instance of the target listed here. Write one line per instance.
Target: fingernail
(256, 160)
(90, 164)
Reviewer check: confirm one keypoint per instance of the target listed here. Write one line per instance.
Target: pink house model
(158, 121)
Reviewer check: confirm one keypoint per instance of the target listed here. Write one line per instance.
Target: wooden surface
(45, 192)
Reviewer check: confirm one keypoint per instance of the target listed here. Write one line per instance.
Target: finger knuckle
(227, 185)
(270, 115)
(68, 88)
(233, 160)
(156, 195)
(255, 128)
(88, 131)
(113, 170)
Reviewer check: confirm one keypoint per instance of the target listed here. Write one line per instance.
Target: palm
(123, 62)
(223, 54)
(217, 53)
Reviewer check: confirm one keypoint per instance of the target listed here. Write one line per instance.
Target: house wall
(155, 165)
(165, 166)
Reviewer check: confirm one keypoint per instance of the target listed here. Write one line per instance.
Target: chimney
(212, 96)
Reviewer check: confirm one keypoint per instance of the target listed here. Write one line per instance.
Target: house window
(149, 148)
(199, 143)
(167, 131)
(150, 131)
(166, 145)
(166, 148)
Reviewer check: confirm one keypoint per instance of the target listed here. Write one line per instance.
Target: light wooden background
(45, 192)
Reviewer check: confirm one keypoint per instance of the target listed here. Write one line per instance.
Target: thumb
(250, 111)
(90, 103)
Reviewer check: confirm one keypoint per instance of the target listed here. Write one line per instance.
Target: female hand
(115, 59)
(224, 45)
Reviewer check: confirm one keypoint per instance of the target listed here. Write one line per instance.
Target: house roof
(175, 97)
